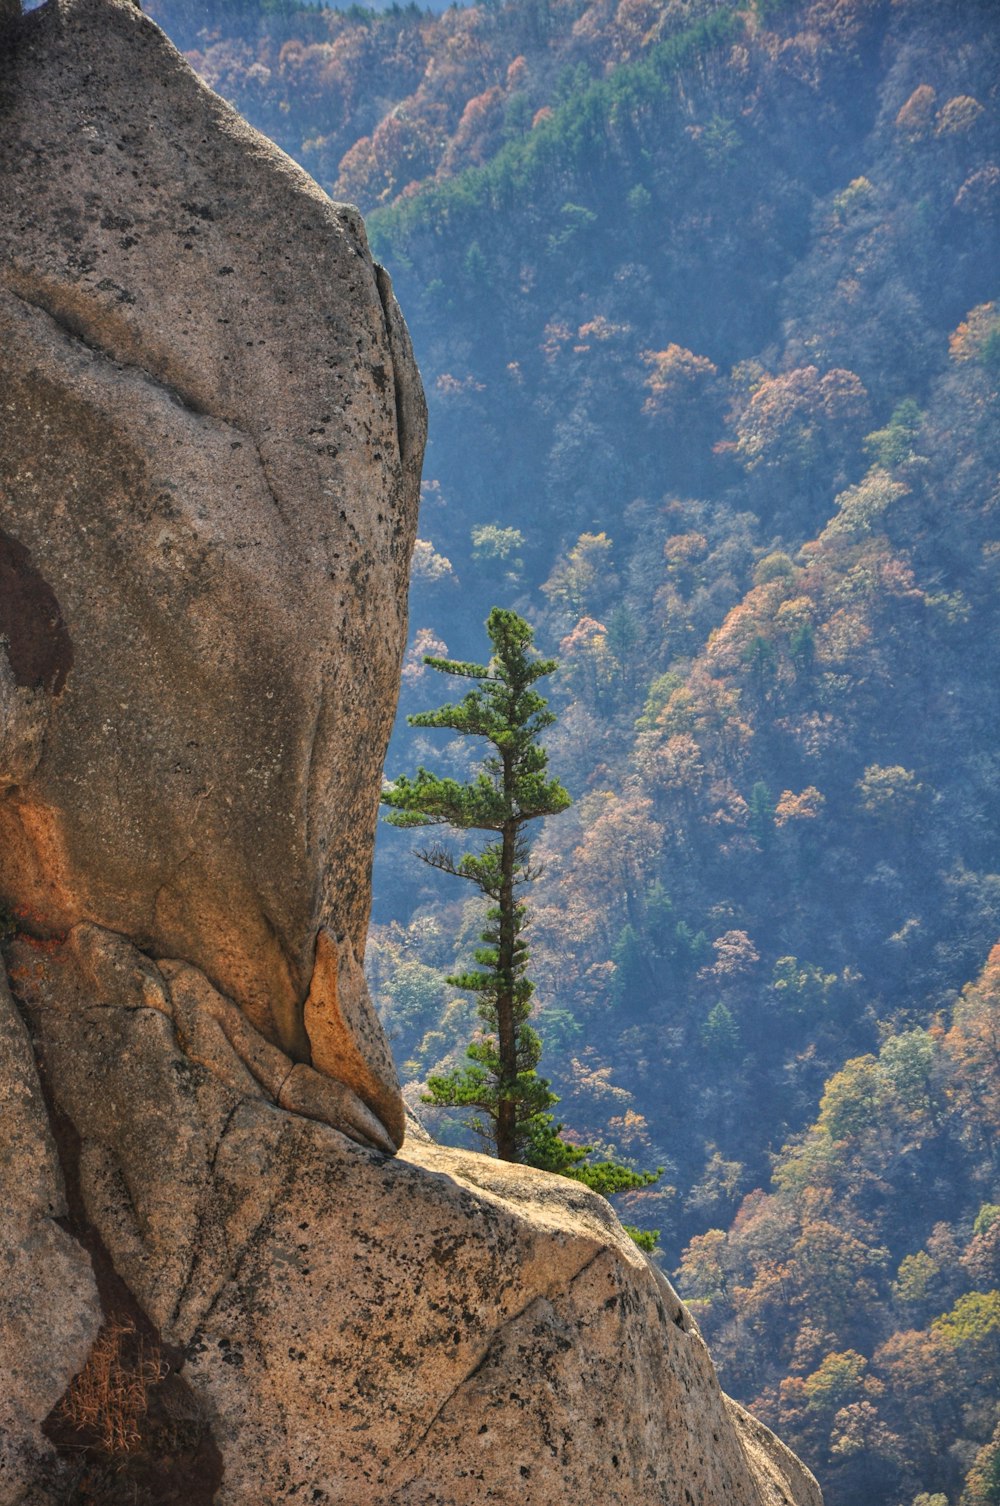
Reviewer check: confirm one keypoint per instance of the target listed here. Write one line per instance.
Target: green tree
(982, 1487)
(761, 815)
(837, 1382)
(492, 544)
(894, 444)
(972, 1328)
(511, 789)
(720, 1034)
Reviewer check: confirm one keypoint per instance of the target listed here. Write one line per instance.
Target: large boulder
(436, 1327)
(220, 1283)
(212, 437)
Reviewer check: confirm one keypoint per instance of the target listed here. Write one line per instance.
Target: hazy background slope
(704, 300)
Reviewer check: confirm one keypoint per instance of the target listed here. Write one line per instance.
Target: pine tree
(511, 789)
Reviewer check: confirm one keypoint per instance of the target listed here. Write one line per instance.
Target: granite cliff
(212, 436)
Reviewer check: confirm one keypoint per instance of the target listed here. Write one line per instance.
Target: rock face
(213, 430)
(210, 457)
(433, 1328)
(49, 1312)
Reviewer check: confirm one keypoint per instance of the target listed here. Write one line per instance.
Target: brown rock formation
(213, 430)
(437, 1327)
(208, 474)
(49, 1312)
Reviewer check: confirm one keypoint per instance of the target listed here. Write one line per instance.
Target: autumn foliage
(705, 300)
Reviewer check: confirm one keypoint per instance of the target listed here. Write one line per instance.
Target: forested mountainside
(706, 303)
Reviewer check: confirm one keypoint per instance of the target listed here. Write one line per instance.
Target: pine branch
(442, 859)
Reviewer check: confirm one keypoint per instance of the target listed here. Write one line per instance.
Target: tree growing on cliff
(511, 789)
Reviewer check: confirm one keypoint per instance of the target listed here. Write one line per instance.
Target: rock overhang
(213, 430)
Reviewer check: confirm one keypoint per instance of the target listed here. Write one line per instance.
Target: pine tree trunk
(506, 1024)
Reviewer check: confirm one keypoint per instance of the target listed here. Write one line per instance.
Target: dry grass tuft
(110, 1397)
